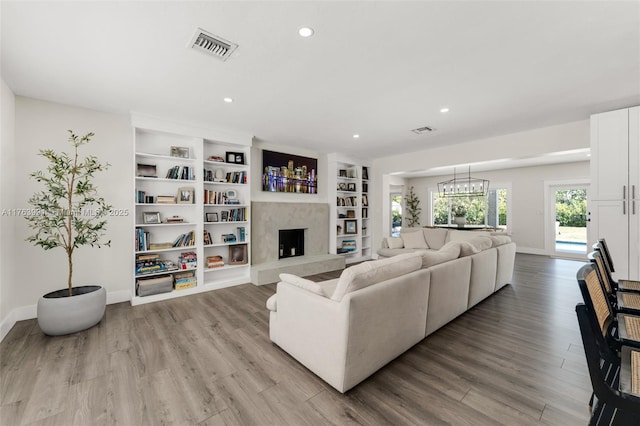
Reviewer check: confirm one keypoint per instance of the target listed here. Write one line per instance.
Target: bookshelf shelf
(154, 140)
(348, 186)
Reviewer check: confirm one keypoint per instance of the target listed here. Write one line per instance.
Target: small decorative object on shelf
(216, 158)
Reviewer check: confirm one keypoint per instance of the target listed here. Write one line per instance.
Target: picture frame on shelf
(234, 157)
(238, 254)
(212, 217)
(350, 226)
(151, 218)
(342, 186)
(146, 170)
(342, 173)
(180, 151)
(185, 195)
(224, 216)
(351, 187)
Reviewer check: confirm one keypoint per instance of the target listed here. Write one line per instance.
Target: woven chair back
(599, 300)
(602, 270)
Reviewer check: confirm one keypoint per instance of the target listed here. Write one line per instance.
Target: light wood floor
(514, 359)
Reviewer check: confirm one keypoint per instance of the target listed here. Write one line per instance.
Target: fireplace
(290, 243)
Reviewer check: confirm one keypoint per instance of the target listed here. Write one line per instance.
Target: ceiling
(377, 69)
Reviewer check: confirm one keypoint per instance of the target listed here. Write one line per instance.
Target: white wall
(7, 168)
(527, 218)
(532, 143)
(41, 124)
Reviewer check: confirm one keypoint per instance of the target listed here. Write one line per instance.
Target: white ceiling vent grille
(212, 44)
(421, 130)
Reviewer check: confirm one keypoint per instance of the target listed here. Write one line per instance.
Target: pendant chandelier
(465, 186)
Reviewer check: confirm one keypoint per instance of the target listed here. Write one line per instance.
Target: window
(396, 214)
(488, 211)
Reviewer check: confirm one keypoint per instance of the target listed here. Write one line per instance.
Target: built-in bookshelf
(191, 220)
(349, 187)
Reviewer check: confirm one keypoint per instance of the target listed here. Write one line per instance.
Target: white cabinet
(350, 233)
(192, 210)
(614, 195)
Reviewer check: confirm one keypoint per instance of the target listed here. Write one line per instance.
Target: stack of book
(165, 199)
(207, 238)
(185, 240)
(174, 219)
(184, 280)
(151, 263)
(348, 245)
(180, 172)
(142, 240)
(188, 260)
(214, 262)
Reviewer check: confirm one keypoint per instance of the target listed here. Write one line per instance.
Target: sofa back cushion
(475, 245)
(370, 273)
(435, 237)
(455, 235)
(448, 252)
(395, 243)
(499, 240)
(304, 283)
(414, 239)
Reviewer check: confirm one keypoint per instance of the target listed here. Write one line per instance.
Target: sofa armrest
(312, 329)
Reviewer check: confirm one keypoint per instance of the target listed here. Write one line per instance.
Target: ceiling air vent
(421, 130)
(212, 44)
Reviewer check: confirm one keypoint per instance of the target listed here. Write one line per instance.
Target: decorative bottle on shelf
(281, 250)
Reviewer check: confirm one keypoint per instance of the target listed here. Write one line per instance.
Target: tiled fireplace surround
(268, 218)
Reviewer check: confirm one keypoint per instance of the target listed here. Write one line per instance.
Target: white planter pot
(60, 314)
(460, 221)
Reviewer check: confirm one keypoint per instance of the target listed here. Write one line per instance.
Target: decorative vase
(59, 313)
(460, 221)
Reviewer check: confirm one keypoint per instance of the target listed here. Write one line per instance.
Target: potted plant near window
(69, 214)
(459, 212)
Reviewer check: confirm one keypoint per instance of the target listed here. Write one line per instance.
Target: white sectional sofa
(346, 329)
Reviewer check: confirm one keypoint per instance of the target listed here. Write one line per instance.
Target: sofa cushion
(303, 283)
(455, 235)
(435, 237)
(369, 273)
(475, 245)
(499, 240)
(414, 240)
(395, 242)
(448, 252)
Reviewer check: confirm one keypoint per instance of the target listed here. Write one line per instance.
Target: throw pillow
(395, 242)
(414, 240)
(303, 283)
(449, 251)
(369, 273)
(435, 237)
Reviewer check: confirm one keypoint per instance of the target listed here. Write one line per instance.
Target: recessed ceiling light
(305, 32)
(356, 136)
(443, 110)
(228, 100)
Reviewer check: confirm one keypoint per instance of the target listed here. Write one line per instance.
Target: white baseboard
(29, 312)
(529, 250)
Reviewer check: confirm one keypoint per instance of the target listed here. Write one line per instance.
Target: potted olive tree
(69, 214)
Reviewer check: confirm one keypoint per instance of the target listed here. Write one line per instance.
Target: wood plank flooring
(514, 359)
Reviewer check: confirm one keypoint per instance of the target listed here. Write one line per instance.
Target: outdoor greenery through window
(478, 211)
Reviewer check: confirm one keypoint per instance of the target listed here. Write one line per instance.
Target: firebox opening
(291, 243)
